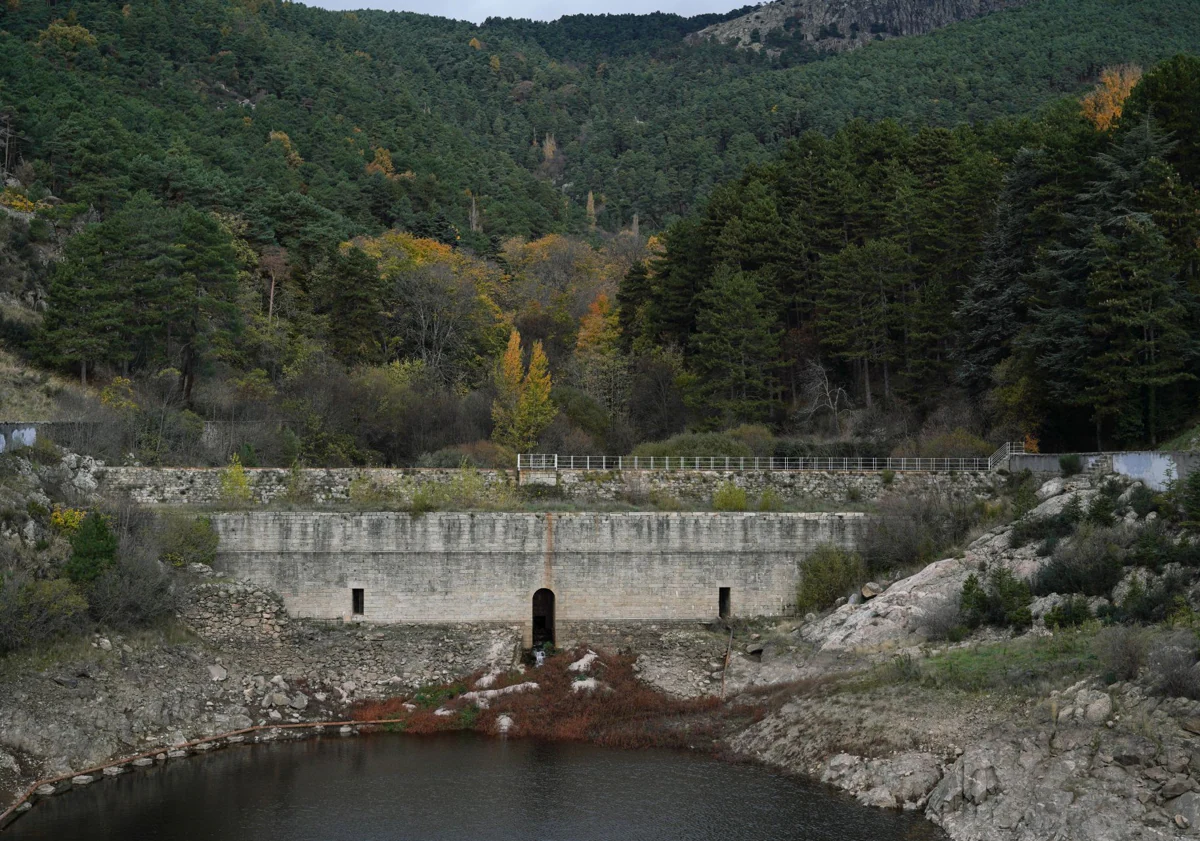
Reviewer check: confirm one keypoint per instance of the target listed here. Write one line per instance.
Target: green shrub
(424, 499)
(1189, 497)
(913, 529)
(756, 437)
(1001, 599)
(692, 444)
(854, 494)
(1070, 464)
(297, 490)
(1024, 500)
(1143, 500)
(1155, 547)
(188, 540)
(730, 497)
(247, 455)
(826, 575)
(1149, 605)
(1122, 651)
(36, 611)
(1092, 563)
(1102, 510)
(93, 549)
(887, 477)
(770, 500)
(1070, 613)
(135, 592)
(1057, 526)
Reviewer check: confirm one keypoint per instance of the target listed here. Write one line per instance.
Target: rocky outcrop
(1087, 762)
(133, 693)
(838, 25)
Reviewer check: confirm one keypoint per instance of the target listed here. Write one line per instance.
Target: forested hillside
(323, 230)
(526, 119)
(1034, 278)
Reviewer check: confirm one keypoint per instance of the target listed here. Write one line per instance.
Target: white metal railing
(551, 461)
(1009, 448)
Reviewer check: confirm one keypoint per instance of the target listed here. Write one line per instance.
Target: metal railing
(552, 461)
(1009, 448)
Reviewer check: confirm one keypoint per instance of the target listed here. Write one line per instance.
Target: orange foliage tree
(1102, 107)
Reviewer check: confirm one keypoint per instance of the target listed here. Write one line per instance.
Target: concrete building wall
(486, 567)
(1150, 467)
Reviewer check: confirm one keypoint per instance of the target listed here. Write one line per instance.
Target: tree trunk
(271, 301)
(1153, 431)
(867, 382)
(83, 372)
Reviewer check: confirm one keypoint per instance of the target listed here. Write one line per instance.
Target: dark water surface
(386, 788)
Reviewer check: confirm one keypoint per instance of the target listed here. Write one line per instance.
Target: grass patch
(1025, 666)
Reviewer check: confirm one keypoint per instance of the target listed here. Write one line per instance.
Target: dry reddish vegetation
(623, 713)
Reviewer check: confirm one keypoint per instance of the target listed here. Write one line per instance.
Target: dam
(543, 571)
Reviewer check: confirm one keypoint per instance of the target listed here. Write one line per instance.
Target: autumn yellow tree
(600, 367)
(1102, 107)
(522, 409)
(290, 154)
(509, 373)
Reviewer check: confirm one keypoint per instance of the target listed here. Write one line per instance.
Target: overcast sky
(477, 10)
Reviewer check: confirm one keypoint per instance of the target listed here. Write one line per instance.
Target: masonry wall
(1154, 469)
(486, 567)
(202, 486)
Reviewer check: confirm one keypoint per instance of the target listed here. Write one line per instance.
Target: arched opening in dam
(543, 617)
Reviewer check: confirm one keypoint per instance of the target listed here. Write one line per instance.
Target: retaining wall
(202, 486)
(447, 567)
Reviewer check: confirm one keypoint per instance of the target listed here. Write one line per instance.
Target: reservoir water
(395, 788)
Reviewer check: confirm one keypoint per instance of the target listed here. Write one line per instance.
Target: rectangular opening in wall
(723, 603)
(357, 601)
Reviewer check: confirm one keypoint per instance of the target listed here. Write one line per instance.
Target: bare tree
(275, 263)
(821, 396)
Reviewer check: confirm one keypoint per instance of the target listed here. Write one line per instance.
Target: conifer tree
(734, 349)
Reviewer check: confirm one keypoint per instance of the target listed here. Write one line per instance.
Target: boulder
(870, 590)
(1186, 805)
(217, 672)
(1052, 488)
(1054, 506)
(1099, 710)
(584, 663)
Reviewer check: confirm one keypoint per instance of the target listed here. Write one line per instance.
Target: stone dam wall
(202, 486)
(486, 567)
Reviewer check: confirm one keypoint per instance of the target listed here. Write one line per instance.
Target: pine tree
(734, 349)
(860, 308)
(93, 549)
(633, 294)
(1138, 310)
(992, 309)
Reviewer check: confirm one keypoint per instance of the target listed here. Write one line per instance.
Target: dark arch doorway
(543, 617)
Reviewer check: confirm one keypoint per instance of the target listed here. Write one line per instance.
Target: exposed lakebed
(453, 787)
